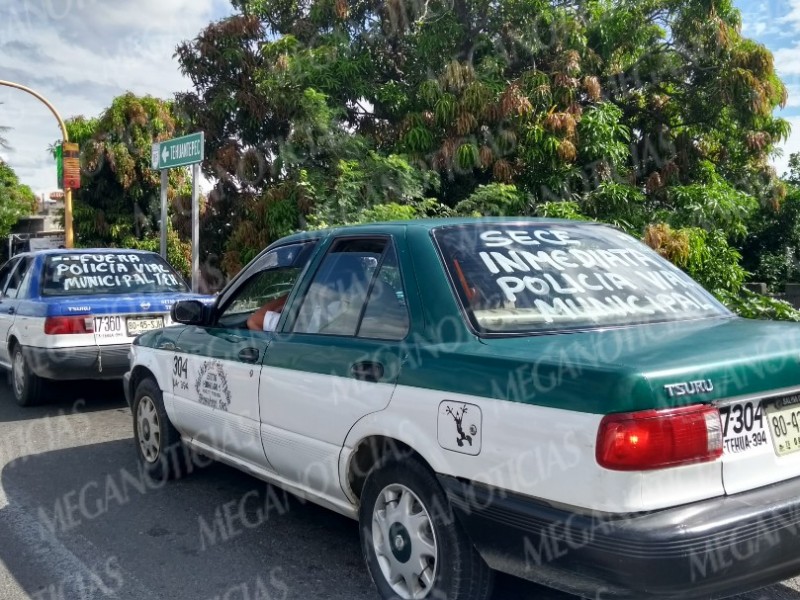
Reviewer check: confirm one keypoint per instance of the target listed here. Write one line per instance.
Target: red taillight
(67, 325)
(652, 439)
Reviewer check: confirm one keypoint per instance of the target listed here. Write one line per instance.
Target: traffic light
(71, 168)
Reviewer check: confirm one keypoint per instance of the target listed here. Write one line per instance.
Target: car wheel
(158, 444)
(412, 543)
(26, 385)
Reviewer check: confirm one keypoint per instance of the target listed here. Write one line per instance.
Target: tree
(16, 199)
(119, 200)
(651, 115)
(614, 104)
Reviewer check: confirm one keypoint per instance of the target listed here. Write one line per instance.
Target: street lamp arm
(44, 100)
(68, 237)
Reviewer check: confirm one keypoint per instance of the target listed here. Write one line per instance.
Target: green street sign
(178, 152)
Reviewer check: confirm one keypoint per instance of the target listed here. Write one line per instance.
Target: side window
(5, 274)
(386, 315)
(281, 269)
(18, 275)
(337, 295)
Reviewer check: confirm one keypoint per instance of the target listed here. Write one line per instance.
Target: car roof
(52, 251)
(428, 224)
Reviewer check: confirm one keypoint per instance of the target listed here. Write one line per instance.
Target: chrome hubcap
(148, 429)
(19, 373)
(404, 542)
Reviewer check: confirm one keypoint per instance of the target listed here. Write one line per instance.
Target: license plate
(140, 325)
(744, 426)
(109, 326)
(784, 424)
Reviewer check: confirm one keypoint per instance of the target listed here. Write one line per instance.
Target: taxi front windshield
(538, 277)
(114, 273)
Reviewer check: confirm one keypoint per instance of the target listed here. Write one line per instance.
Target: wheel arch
(13, 340)
(369, 443)
(139, 374)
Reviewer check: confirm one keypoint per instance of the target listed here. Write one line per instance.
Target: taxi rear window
(533, 277)
(114, 273)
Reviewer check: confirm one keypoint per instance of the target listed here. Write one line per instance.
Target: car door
(7, 307)
(27, 323)
(335, 360)
(217, 367)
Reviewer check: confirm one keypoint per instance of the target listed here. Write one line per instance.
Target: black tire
(459, 573)
(159, 449)
(26, 386)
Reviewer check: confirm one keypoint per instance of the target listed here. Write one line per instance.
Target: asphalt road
(78, 521)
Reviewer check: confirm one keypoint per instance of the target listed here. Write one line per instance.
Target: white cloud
(792, 17)
(781, 163)
(787, 60)
(80, 54)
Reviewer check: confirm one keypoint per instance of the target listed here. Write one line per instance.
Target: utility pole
(68, 238)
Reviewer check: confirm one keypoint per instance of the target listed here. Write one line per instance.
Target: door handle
(367, 371)
(249, 355)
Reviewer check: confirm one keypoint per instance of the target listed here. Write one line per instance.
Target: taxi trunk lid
(749, 369)
(118, 318)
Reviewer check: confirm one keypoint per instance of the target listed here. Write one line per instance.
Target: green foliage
(360, 185)
(626, 112)
(712, 262)
(712, 203)
(603, 136)
(16, 199)
(772, 249)
(750, 305)
(561, 210)
(495, 200)
(421, 209)
(119, 204)
(179, 253)
(618, 204)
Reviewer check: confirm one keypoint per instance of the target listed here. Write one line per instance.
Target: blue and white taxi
(72, 314)
(546, 398)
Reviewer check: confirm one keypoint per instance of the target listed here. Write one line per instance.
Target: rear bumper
(87, 362)
(710, 549)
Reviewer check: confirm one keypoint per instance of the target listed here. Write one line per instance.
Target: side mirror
(188, 312)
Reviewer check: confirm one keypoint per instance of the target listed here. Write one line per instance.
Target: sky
(776, 24)
(80, 54)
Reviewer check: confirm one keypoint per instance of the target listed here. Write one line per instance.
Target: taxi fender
(26, 332)
(389, 424)
(159, 364)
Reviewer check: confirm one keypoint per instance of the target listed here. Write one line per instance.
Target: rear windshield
(537, 277)
(111, 273)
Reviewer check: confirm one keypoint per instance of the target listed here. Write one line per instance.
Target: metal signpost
(181, 152)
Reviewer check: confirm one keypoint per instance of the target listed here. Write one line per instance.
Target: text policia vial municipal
(109, 270)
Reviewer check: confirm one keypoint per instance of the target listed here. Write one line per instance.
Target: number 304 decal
(180, 374)
(180, 367)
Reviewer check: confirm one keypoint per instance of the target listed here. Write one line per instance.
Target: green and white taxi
(545, 398)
